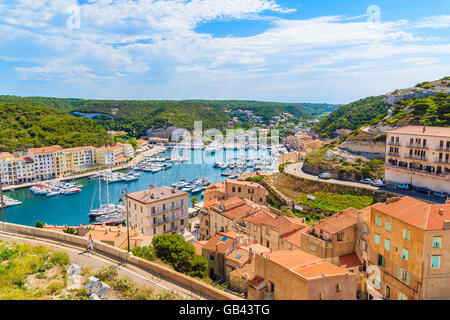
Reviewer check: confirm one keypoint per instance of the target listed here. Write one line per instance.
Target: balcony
(417, 146)
(394, 143)
(393, 154)
(444, 161)
(414, 157)
(170, 210)
(445, 149)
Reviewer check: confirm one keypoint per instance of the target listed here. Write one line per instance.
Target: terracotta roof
(198, 246)
(155, 194)
(304, 264)
(338, 221)
(419, 130)
(80, 148)
(365, 214)
(238, 255)
(258, 218)
(256, 281)
(45, 149)
(350, 260)
(218, 186)
(244, 183)
(416, 213)
(219, 243)
(210, 202)
(247, 271)
(234, 208)
(5, 155)
(256, 248)
(294, 237)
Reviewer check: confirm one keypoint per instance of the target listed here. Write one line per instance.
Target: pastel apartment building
(297, 275)
(158, 210)
(410, 246)
(16, 170)
(419, 156)
(44, 162)
(73, 160)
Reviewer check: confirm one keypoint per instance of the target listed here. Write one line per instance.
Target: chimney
(250, 255)
(424, 128)
(323, 275)
(441, 212)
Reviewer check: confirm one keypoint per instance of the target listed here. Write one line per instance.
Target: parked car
(325, 176)
(421, 190)
(440, 194)
(366, 181)
(403, 186)
(379, 183)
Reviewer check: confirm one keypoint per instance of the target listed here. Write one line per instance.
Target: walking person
(90, 244)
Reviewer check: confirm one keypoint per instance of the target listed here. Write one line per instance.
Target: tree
(180, 254)
(134, 143)
(39, 224)
(147, 253)
(194, 200)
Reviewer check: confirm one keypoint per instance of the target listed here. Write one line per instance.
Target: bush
(60, 258)
(55, 287)
(39, 224)
(123, 285)
(108, 273)
(147, 253)
(145, 293)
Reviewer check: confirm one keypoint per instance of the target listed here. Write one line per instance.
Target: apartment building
(44, 161)
(111, 156)
(410, 246)
(332, 237)
(297, 275)
(15, 170)
(73, 160)
(419, 156)
(233, 188)
(158, 210)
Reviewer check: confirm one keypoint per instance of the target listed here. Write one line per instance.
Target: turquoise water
(73, 209)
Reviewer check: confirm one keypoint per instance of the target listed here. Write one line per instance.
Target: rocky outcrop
(422, 90)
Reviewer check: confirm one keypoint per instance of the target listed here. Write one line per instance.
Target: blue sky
(273, 50)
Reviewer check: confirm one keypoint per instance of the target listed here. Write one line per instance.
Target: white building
(419, 156)
(44, 162)
(158, 210)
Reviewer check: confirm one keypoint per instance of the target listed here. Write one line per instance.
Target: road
(96, 260)
(296, 169)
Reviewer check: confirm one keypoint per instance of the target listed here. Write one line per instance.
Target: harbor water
(73, 209)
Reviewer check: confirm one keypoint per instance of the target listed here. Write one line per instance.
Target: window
(340, 236)
(403, 275)
(388, 226)
(405, 254)
(338, 287)
(211, 257)
(313, 247)
(406, 234)
(233, 189)
(437, 242)
(435, 262)
(377, 238)
(239, 189)
(381, 260)
(255, 228)
(378, 221)
(378, 281)
(387, 244)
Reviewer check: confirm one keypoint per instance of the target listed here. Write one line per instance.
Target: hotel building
(419, 156)
(158, 210)
(44, 162)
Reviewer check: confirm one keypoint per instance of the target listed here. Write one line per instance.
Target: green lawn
(335, 202)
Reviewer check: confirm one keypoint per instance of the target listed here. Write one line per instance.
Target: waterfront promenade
(135, 160)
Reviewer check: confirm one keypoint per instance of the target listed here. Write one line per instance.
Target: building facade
(410, 249)
(158, 210)
(419, 156)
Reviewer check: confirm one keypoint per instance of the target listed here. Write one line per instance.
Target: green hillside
(352, 116)
(431, 111)
(23, 126)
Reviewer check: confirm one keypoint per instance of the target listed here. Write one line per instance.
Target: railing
(417, 146)
(447, 149)
(394, 154)
(445, 161)
(413, 157)
(167, 210)
(392, 143)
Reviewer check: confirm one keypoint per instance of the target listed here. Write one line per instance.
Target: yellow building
(410, 249)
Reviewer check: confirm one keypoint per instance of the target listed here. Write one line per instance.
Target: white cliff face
(421, 91)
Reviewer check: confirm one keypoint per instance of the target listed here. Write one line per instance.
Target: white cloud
(434, 22)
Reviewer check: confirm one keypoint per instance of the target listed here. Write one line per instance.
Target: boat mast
(107, 192)
(99, 191)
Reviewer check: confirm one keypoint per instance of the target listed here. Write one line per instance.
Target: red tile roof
(350, 260)
(45, 149)
(338, 221)
(219, 243)
(294, 237)
(419, 130)
(416, 213)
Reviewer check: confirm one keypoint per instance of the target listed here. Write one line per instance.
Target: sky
(272, 50)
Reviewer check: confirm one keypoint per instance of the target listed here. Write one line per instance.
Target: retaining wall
(123, 256)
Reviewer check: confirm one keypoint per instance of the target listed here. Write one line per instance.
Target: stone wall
(121, 255)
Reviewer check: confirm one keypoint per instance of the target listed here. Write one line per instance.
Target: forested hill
(136, 116)
(352, 116)
(414, 105)
(268, 110)
(24, 126)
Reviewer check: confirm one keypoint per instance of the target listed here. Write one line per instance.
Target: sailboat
(104, 210)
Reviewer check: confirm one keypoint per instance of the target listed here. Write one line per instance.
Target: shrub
(144, 293)
(55, 287)
(108, 273)
(147, 253)
(39, 224)
(60, 258)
